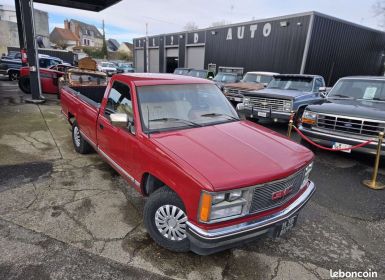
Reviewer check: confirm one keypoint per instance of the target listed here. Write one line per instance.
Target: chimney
(66, 24)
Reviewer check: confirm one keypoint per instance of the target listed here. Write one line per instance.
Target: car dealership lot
(64, 215)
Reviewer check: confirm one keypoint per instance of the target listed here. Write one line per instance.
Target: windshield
(170, 107)
(197, 73)
(292, 83)
(225, 78)
(256, 78)
(359, 89)
(108, 65)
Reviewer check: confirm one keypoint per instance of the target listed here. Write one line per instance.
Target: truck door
(114, 142)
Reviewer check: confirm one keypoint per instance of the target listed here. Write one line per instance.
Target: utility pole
(104, 46)
(147, 64)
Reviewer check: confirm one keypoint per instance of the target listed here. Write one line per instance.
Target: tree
(190, 26)
(61, 44)
(104, 47)
(379, 11)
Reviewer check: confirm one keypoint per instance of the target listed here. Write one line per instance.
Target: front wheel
(13, 75)
(165, 220)
(25, 85)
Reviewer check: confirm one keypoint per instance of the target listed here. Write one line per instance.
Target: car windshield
(198, 73)
(256, 78)
(225, 78)
(108, 65)
(170, 107)
(292, 83)
(360, 89)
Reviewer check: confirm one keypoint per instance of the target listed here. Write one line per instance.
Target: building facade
(9, 32)
(310, 43)
(87, 34)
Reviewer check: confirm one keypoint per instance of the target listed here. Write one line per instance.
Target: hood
(278, 93)
(236, 154)
(245, 86)
(353, 108)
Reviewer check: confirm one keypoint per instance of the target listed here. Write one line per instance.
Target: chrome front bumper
(206, 242)
(328, 140)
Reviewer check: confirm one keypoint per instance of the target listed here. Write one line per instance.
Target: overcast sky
(127, 19)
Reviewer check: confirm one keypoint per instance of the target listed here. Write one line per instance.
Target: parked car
(11, 67)
(182, 71)
(204, 74)
(284, 94)
(251, 81)
(228, 75)
(173, 139)
(107, 67)
(353, 113)
(125, 68)
(48, 78)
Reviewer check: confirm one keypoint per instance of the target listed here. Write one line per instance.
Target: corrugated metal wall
(272, 47)
(339, 49)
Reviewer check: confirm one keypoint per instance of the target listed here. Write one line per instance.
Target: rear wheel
(165, 220)
(81, 145)
(24, 85)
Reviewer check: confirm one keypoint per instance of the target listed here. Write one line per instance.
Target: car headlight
(287, 105)
(225, 91)
(216, 207)
(308, 169)
(309, 117)
(246, 101)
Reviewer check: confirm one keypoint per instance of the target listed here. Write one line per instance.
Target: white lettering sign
(253, 28)
(196, 38)
(241, 32)
(266, 29)
(229, 34)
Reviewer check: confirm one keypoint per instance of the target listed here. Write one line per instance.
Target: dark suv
(354, 112)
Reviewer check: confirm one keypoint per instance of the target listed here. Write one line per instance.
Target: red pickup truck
(212, 180)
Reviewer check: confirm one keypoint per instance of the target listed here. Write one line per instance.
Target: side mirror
(119, 120)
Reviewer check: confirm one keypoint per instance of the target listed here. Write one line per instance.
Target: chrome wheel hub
(77, 136)
(171, 222)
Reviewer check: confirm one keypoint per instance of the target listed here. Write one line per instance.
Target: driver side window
(119, 100)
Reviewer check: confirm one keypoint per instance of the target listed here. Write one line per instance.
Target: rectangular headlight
(287, 106)
(222, 206)
(309, 117)
(246, 101)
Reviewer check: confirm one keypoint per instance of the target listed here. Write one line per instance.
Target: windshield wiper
(219, 115)
(340, 95)
(176, 120)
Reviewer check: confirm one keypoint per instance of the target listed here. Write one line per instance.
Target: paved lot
(66, 216)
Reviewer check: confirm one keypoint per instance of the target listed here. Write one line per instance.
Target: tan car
(251, 81)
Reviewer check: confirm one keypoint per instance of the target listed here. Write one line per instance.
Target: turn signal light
(205, 208)
(308, 121)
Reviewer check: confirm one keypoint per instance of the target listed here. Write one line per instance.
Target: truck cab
(227, 75)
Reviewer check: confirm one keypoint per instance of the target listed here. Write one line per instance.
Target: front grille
(267, 104)
(235, 92)
(350, 125)
(263, 195)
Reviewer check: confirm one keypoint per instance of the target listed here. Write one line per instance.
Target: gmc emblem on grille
(279, 194)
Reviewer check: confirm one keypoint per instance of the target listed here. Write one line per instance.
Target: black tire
(298, 116)
(158, 199)
(24, 85)
(13, 75)
(81, 145)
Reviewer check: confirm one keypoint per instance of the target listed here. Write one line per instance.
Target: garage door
(153, 60)
(139, 60)
(172, 52)
(195, 57)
